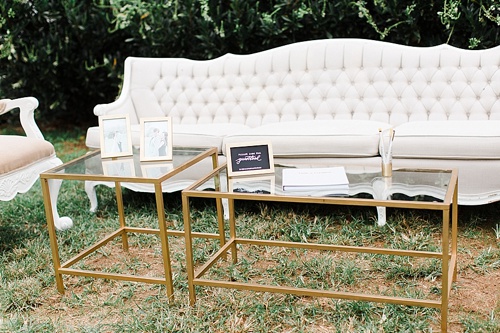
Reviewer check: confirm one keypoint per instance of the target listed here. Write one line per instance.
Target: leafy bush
(69, 53)
(57, 51)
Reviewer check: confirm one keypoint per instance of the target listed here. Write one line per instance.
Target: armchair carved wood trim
(23, 158)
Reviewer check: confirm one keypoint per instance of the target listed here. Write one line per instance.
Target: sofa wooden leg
(91, 193)
(64, 222)
(381, 217)
(225, 208)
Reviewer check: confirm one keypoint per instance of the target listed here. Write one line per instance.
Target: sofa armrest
(123, 104)
(26, 106)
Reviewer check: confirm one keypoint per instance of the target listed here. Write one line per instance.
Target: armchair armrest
(27, 106)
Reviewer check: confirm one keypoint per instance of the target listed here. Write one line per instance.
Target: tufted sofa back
(323, 79)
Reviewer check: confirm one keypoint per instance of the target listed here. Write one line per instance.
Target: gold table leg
(52, 234)
(189, 249)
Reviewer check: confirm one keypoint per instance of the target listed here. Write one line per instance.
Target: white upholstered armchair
(24, 157)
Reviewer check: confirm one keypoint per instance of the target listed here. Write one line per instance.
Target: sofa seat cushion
(184, 135)
(316, 138)
(20, 151)
(448, 139)
(204, 135)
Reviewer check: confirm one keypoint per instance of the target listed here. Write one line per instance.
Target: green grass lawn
(29, 300)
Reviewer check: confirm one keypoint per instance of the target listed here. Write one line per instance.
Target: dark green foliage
(69, 53)
(58, 52)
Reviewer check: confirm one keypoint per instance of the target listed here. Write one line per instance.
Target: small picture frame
(252, 158)
(115, 136)
(156, 139)
(122, 167)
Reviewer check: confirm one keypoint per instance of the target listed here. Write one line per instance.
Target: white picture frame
(251, 158)
(156, 139)
(115, 135)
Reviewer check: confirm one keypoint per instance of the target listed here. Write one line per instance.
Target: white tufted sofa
(327, 99)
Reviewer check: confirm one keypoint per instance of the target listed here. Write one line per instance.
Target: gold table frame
(60, 174)
(448, 254)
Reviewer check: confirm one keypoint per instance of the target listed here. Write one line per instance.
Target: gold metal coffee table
(415, 186)
(129, 170)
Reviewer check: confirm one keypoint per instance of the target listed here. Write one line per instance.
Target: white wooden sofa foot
(381, 191)
(64, 222)
(381, 217)
(225, 208)
(91, 193)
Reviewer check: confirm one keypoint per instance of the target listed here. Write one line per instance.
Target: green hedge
(69, 53)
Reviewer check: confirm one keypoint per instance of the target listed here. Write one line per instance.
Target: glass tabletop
(127, 167)
(364, 182)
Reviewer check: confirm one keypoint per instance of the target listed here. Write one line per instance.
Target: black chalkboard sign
(249, 159)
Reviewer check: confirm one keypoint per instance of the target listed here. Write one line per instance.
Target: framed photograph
(115, 134)
(156, 139)
(252, 184)
(245, 159)
(123, 167)
(156, 170)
